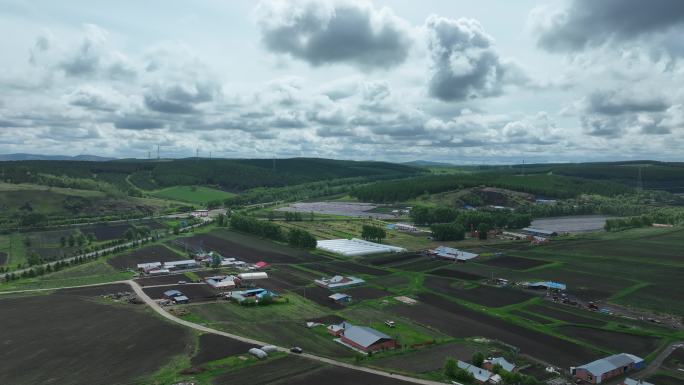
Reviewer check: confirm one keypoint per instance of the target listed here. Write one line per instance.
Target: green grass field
(193, 194)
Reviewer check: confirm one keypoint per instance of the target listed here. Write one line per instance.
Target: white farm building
(355, 247)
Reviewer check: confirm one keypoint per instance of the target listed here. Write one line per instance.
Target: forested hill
(655, 175)
(229, 174)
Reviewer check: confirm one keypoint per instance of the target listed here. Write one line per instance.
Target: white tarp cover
(355, 246)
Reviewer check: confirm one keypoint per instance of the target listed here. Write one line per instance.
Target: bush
(301, 238)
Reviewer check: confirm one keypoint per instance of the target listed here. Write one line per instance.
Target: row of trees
(469, 219)
(539, 184)
(270, 230)
(448, 232)
(618, 224)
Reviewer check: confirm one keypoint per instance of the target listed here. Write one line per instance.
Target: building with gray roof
(602, 369)
(365, 339)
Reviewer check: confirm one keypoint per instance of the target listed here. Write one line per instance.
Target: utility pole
(157, 152)
(197, 154)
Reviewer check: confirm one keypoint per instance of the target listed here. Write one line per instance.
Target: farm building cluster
(200, 260)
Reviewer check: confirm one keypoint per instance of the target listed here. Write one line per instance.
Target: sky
(492, 81)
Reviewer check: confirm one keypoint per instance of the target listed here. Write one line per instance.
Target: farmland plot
(614, 341)
(459, 321)
(154, 253)
(214, 347)
(125, 339)
(481, 295)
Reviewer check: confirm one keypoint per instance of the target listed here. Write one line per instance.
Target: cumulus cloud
(180, 98)
(137, 123)
(614, 114)
(334, 31)
(464, 62)
(587, 23)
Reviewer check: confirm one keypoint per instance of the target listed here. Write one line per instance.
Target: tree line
(542, 184)
(266, 229)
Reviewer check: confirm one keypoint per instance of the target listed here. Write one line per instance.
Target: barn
(364, 338)
(603, 369)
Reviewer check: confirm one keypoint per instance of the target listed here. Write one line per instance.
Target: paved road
(155, 306)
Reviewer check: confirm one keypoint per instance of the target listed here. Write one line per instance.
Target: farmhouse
(452, 254)
(200, 213)
(480, 375)
(340, 298)
(490, 363)
(406, 227)
(364, 338)
(251, 294)
(338, 282)
(176, 296)
(600, 370)
(221, 282)
(355, 247)
(539, 232)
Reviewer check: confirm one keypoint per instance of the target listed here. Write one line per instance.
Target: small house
(480, 375)
(169, 294)
(490, 363)
(338, 282)
(340, 298)
(180, 299)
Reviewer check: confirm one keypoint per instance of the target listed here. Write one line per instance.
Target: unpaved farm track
(157, 308)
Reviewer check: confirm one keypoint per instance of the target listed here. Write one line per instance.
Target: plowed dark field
(457, 274)
(460, 321)
(297, 371)
(613, 341)
(214, 347)
(68, 340)
(563, 315)
(319, 295)
(194, 292)
(481, 295)
(248, 249)
(155, 253)
(365, 292)
(515, 263)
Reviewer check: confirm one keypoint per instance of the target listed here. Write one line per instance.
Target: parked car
(390, 323)
(296, 349)
(182, 282)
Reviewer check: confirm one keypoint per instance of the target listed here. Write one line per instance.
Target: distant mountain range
(90, 158)
(427, 163)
